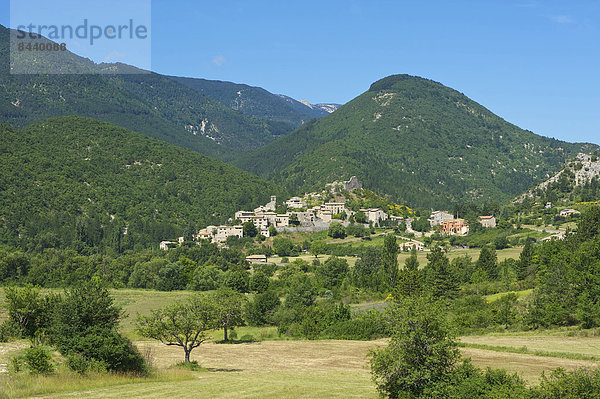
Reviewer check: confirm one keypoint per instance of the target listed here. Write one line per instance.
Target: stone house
(295, 203)
(455, 226)
(408, 246)
(222, 232)
(257, 258)
(374, 215)
(569, 212)
(488, 222)
(437, 218)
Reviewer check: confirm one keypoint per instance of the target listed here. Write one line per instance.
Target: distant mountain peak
(322, 108)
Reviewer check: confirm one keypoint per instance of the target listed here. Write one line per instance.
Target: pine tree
(488, 262)
(410, 281)
(438, 275)
(389, 259)
(525, 260)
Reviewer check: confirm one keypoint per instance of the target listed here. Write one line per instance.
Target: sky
(534, 63)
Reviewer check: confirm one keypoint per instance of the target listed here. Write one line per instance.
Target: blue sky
(534, 63)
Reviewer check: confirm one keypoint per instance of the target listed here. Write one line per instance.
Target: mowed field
(503, 254)
(301, 369)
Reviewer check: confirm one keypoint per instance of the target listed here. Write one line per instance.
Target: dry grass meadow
(291, 369)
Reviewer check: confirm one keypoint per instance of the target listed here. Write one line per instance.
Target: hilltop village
(315, 212)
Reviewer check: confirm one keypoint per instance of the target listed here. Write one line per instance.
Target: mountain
(577, 181)
(256, 102)
(313, 110)
(85, 184)
(145, 102)
(418, 142)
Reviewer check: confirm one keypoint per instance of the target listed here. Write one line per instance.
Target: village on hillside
(313, 213)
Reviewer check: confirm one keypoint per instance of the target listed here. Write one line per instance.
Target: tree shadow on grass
(223, 370)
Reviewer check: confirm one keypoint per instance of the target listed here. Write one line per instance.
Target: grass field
(292, 369)
(503, 254)
(520, 295)
(132, 301)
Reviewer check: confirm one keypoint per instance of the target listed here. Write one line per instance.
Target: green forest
(78, 183)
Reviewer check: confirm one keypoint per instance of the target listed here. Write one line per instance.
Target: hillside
(577, 181)
(314, 110)
(255, 101)
(80, 183)
(419, 142)
(148, 103)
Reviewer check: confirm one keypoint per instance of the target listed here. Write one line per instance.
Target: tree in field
(336, 230)
(317, 248)
(229, 307)
(367, 270)
(488, 262)
(389, 260)
(332, 272)
(183, 324)
(439, 276)
(260, 311)
(525, 260)
(85, 322)
(283, 246)
(410, 281)
(421, 353)
(29, 310)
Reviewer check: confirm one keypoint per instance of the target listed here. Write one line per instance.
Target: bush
(247, 338)
(336, 230)
(359, 329)
(192, 366)
(81, 365)
(77, 363)
(8, 330)
(37, 360)
(267, 268)
(561, 384)
(116, 352)
(205, 278)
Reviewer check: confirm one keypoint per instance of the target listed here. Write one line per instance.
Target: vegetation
(89, 186)
(182, 324)
(253, 101)
(148, 103)
(442, 146)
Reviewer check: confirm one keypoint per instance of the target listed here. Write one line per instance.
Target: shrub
(77, 363)
(359, 329)
(205, 278)
(116, 352)
(267, 268)
(81, 365)
(192, 366)
(581, 383)
(8, 330)
(37, 360)
(259, 282)
(247, 338)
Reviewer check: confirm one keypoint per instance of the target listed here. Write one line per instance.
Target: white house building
(437, 218)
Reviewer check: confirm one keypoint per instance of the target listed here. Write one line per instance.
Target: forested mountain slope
(255, 101)
(148, 103)
(84, 184)
(419, 142)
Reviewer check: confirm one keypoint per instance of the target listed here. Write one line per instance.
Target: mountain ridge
(146, 102)
(417, 141)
